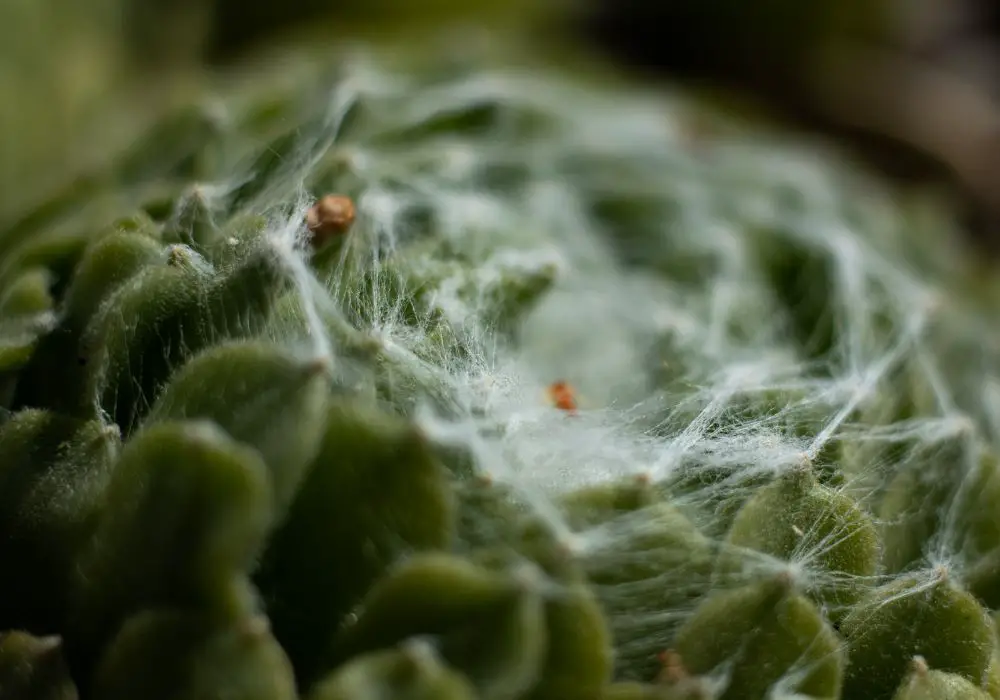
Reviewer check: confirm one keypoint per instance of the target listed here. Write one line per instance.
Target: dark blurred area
(910, 85)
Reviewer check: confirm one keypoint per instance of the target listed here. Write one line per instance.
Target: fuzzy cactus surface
(459, 379)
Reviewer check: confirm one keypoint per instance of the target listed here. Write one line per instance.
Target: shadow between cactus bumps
(374, 494)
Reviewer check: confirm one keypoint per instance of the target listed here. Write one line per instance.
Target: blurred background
(909, 85)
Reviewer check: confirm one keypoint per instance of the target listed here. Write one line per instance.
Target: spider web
(728, 306)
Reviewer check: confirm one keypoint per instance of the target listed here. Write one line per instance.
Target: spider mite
(675, 675)
(330, 216)
(563, 396)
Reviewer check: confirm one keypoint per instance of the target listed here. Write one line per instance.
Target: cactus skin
(916, 499)
(510, 665)
(640, 691)
(53, 472)
(107, 263)
(411, 672)
(656, 553)
(768, 631)
(32, 668)
(374, 493)
(280, 405)
(141, 326)
(495, 528)
(983, 579)
(489, 626)
(579, 659)
(593, 505)
(151, 327)
(54, 377)
(923, 683)
(58, 252)
(26, 316)
(910, 617)
(975, 528)
(163, 653)
(28, 294)
(188, 513)
(191, 222)
(180, 145)
(796, 517)
(449, 589)
(705, 496)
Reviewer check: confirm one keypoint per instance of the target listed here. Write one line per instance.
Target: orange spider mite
(563, 396)
(672, 669)
(330, 216)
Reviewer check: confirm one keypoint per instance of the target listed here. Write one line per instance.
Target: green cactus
(33, 668)
(27, 312)
(918, 498)
(373, 495)
(639, 691)
(165, 653)
(192, 222)
(54, 376)
(768, 634)
(797, 519)
(270, 400)
(579, 658)
(914, 616)
(411, 672)
(187, 512)
(529, 423)
(923, 683)
(55, 470)
(28, 293)
(491, 627)
(497, 528)
(661, 558)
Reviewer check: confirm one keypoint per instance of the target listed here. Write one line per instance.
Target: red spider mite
(563, 396)
(672, 670)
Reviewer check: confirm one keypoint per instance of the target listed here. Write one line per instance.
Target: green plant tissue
(392, 378)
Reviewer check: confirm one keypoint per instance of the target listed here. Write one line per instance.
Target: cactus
(33, 668)
(164, 653)
(913, 616)
(769, 635)
(426, 380)
(412, 672)
(923, 682)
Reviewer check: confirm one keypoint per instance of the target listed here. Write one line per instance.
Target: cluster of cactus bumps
(253, 447)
